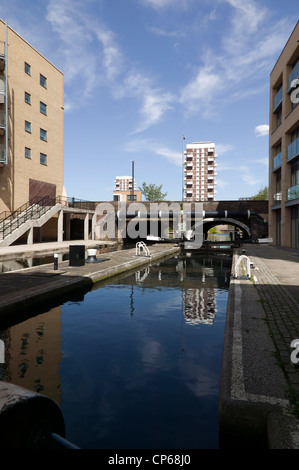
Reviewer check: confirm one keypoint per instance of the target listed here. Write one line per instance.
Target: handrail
(142, 246)
(25, 212)
(37, 206)
(241, 258)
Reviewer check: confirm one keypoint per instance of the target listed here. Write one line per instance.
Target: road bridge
(248, 217)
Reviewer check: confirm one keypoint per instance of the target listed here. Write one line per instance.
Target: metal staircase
(35, 212)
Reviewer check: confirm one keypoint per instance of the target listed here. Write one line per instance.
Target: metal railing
(76, 203)
(35, 208)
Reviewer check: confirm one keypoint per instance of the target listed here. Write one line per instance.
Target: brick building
(125, 191)
(31, 123)
(284, 146)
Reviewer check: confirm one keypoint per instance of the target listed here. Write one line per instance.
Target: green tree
(262, 195)
(152, 192)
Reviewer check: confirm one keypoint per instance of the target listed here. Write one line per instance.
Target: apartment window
(27, 69)
(295, 173)
(28, 126)
(277, 99)
(278, 181)
(27, 152)
(27, 98)
(294, 74)
(43, 81)
(43, 159)
(43, 135)
(43, 108)
(293, 148)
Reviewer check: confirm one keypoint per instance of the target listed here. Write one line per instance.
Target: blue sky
(140, 74)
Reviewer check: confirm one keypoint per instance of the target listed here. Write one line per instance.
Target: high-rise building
(284, 146)
(31, 123)
(124, 189)
(199, 172)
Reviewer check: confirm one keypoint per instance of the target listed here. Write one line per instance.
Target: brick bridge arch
(253, 226)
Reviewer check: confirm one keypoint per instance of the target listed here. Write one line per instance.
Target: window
(43, 159)
(294, 74)
(43, 81)
(295, 173)
(27, 152)
(43, 108)
(27, 69)
(277, 98)
(131, 197)
(43, 135)
(27, 98)
(28, 126)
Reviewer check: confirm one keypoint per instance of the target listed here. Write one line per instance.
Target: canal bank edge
(253, 407)
(42, 285)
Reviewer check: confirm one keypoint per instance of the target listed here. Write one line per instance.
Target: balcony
(293, 149)
(277, 161)
(293, 192)
(293, 75)
(277, 198)
(277, 99)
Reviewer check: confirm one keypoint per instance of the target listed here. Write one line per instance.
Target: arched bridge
(250, 217)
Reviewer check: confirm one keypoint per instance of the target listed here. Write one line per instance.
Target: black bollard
(29, 420)
(55, 262)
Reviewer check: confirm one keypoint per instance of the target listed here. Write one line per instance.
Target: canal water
(135, 363)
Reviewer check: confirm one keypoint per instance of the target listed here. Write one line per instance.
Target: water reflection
(33, 354)
(136, 363)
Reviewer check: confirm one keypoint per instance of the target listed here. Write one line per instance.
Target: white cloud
(202, 89)
(248, 177)
(163, 32)
(262, 130)
(245, 54)
(83, 68)
(262, 161)
(221, 183)
(223, 148)
(149, 145)
(161, 4)
(154, 101)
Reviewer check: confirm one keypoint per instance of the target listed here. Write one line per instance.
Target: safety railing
(34, 208)
(141, 246)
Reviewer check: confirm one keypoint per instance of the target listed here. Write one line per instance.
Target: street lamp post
(132, 191)
(183, 167)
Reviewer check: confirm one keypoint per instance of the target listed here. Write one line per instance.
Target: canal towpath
(259, 395)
